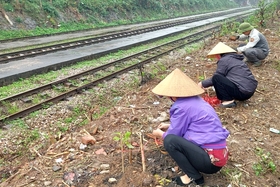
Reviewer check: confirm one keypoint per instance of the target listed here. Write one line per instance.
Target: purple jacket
(195, 120)
(232, 67)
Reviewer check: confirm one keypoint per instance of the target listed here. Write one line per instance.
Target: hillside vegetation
(51, 16)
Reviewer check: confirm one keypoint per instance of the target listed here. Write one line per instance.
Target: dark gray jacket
(232, 67)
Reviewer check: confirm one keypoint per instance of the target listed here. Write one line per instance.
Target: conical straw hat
(177, 84)
(220, 48)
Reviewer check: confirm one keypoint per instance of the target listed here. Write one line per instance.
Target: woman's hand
(158, 133)
(200, 85)
(164, 126)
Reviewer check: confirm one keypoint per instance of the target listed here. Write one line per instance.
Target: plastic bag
(212, 100)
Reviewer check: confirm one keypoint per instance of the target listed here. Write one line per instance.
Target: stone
(88, 139)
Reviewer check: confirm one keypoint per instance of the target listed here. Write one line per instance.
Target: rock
(112, 180)
(104, 172)
(47, 183)
(88, 139)
(82, 146)
(101, 151)
(56, 168)
(104, 166)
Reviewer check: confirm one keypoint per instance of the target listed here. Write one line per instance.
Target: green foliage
(99, 13)
(63, 129)
(201, 78)
(265, 163)
(31, 8)
(19, 123)
(229, 28)
(29, 137)
(8, 7)
(124, 138)
(12, 108)
(18, 20)
(61, 4)
(49, 9)
(68, 120)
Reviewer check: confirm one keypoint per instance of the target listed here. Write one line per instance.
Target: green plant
(266, 11)
(201, 78)
(18, 20)
(193, 47)
(234, 174)
(29, 137)
(265, 163)
(8, 7)
(63, 129)
(34, 114)
(68, 120)
(124, 141)
(101, 111)
(47, 105)
(19, 123)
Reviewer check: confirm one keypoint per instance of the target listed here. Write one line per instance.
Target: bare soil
(254, 150)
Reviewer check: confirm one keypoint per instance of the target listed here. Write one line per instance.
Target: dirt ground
(254, 150)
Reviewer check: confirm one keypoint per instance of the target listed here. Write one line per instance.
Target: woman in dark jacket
(233, 80)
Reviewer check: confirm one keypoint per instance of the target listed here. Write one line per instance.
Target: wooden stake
(205, 79)
(130, 150)
(122, 153)
(142, 151)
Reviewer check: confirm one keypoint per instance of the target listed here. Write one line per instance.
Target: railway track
(49, 94)
(17, 55)
(24, 103)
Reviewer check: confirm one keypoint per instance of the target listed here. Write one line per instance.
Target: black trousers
(191, 158)
(226, 90)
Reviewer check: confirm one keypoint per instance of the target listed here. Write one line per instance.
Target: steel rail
(76, 31)
(179, 44)
(93, 70)
(7, 57)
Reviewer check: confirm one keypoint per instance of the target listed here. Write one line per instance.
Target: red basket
(212, 100)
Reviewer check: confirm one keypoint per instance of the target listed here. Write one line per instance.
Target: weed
(19, 123)
(18, 20)
(201, 78)
(193, 47)
(265, 163)
(63, 129)
(234, 174)
(34, 114)
(36, 100)
(68, 120)
(102, 110)
(77, 110)
(47, 105)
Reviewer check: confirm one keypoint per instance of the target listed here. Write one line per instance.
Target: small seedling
(124, 140)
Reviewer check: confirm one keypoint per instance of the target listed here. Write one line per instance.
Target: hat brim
(220, 48)
(245, 30)
(177, 84)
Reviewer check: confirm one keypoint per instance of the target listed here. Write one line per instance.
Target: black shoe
(257, 64)
(230, 105)
(178, 181)
(199, 181)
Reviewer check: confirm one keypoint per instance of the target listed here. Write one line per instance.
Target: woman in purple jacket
(195, 137)
(233, 80)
